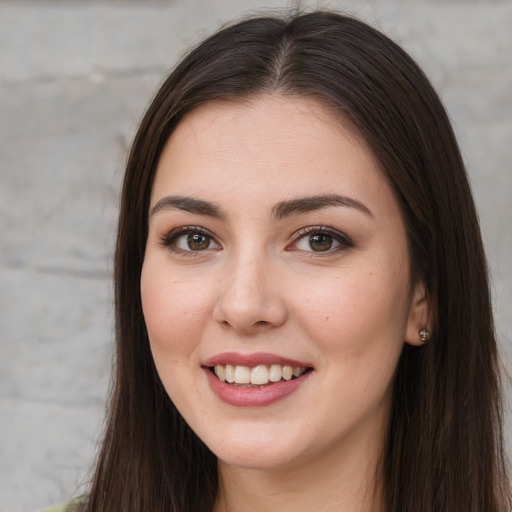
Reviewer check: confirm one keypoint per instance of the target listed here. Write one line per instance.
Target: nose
(249, 297)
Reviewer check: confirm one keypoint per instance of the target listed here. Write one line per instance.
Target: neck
(349, 479)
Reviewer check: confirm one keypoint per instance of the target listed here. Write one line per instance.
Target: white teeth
(220, 371)
(242, 374)
(287, 372)
(230, 373)
(258, 375)
(276, 372)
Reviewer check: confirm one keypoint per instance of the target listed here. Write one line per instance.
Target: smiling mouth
(256, 376)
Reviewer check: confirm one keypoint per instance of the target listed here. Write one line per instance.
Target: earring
(424, 335)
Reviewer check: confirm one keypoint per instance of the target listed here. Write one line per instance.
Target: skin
(258, 286)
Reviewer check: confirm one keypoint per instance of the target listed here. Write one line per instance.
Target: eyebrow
(188, 204)
(312, 203)
(279, 211)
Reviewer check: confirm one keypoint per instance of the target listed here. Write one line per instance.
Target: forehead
(272, 146)
(263, 120)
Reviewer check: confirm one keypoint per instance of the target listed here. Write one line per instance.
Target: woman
(302, 306)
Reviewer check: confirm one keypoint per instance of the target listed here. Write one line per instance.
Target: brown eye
(189, 239)
(320, 239)
(320, 242)
(198, 241)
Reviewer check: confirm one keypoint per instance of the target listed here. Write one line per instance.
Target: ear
(419, 315)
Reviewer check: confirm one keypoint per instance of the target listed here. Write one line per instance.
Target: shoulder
(66, 507)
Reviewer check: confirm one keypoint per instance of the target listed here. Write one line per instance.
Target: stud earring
(424, 335)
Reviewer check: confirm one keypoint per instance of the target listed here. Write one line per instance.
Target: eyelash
(343, 240)
(169, 240)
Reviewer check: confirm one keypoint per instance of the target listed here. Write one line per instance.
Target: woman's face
(277, 257)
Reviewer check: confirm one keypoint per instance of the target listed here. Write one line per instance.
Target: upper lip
(238, 359)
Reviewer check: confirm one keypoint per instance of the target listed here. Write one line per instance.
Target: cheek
(174, 310)
(356, 314)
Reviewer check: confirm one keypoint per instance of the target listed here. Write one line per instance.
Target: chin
(255, 454)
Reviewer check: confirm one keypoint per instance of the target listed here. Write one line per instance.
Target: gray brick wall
(75, 77)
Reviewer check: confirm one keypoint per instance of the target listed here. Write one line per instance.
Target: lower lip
(254, 397)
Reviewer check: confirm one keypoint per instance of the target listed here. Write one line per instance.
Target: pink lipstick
(253, 380)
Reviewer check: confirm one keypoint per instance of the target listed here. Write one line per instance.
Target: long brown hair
(444, 450)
